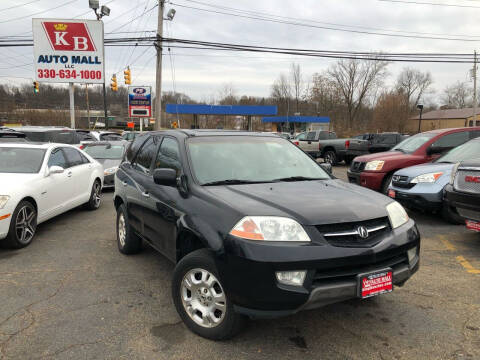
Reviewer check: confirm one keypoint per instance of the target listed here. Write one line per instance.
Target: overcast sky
(201, 74)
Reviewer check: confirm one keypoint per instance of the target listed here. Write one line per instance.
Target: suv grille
(355, 234)
(461, 183)
(357, 166)
(401, 181)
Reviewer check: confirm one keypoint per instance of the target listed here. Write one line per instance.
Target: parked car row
(325, 144)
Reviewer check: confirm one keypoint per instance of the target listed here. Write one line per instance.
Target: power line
(260, 18)
(430, 3)
(128, 22)
(37, 13)
(256, 13)
(19, 5)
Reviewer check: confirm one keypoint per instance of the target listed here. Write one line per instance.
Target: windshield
(21, 160)
(105, 151)
(467, 151)
(412, 143)
(250, 159)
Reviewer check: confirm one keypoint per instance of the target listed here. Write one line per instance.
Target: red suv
(375, 171)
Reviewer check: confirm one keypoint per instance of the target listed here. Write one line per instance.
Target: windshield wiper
(401, 150)
(232, 182)
(444, 162)
(297, 178)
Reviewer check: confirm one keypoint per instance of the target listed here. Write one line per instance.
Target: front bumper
(5, 219)
(248, 271)
(371, 180)
(109, 181)
(421, 196)
(467, 205)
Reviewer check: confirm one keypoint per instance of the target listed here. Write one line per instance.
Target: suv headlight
(426, 178)
(110, 171)
(269, 228)
(3, 200)
(454, 172)
(375, 165)
(397, 214)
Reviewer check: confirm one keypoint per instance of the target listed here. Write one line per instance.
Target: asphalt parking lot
(72, 295)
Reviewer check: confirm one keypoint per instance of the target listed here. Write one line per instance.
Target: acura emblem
(362, 232)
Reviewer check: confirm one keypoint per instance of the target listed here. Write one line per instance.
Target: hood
(426, 168)
(385, 155)
(108, 163)
(309, 202)
(10, 182)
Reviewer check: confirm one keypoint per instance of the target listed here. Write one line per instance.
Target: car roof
(43, 128)
(441, 131)
(106, 142)
(34, 145)
(212, 132)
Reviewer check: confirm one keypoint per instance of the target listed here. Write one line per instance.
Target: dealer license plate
(376, 283)
(473, 225)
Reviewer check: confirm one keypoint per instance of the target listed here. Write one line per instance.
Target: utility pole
(474, 88)
(88, 105)
(71, 91)
(158, 75)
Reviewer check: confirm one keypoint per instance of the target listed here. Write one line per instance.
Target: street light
(420, 107)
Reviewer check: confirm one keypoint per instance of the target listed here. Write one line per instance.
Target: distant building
(442, 119)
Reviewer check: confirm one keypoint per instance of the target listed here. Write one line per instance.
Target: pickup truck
(372, 143)
(324, 144)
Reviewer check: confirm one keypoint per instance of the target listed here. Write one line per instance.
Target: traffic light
(36, 90)
(113, 84)
(128, 76)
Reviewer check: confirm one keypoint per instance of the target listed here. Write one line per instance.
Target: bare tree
(297, 83)
(457, 96)
(227, 94)
(413, 84)
(282, 92)
(357, 79)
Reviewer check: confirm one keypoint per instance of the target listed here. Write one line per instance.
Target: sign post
(68, 51)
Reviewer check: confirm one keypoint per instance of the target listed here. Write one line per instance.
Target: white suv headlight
(397, 214)
(269, 228)
(375, 165)
(3, 200)
(454, 172)
(426, 178)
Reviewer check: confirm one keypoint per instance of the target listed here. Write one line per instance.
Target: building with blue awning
(298, 123)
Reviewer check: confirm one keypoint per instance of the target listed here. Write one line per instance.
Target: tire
(330, 157)
(22, 226)
(190, 290)
(450, 215)
(386, 182)
(95, 196)
(128, 242)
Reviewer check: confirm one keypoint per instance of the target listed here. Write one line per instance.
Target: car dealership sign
(69, 51)
(140, 101)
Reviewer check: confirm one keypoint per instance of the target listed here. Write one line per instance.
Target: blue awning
(297, 119)
(251, 110)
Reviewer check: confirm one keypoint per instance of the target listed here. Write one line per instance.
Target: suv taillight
(347, 144)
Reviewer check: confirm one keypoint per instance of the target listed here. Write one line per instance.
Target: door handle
(145, 194)
(69, 174)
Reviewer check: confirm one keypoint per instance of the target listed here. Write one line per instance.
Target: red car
(375, 171)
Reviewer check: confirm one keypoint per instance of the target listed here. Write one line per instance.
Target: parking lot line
(448, 244)
(467, 265)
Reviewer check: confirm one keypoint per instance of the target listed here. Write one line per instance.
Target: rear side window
(134, 146)
(332, 135)
(64, 137)
(144, 158)
(73, 156)
(169, 155)
(323, 135)
(452, 140)
(311, 135)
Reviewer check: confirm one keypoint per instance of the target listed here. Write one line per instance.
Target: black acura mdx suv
(256, 227)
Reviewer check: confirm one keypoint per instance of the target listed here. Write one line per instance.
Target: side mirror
(326, 167)
(55, 170)
(167, 177)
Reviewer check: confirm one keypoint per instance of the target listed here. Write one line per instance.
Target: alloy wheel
(122, 231)
(96, 194)
(25, 224)
(203, 298)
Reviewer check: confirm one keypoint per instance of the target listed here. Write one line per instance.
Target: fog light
(411, 254)
(294, 278)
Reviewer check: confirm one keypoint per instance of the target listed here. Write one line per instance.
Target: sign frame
(68, 50)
